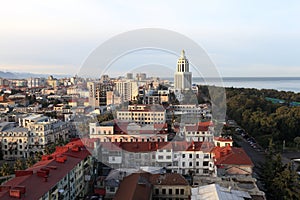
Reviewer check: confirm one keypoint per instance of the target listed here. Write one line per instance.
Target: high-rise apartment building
(127, 89)
(97, 93)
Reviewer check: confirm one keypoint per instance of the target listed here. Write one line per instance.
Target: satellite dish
(61, 190)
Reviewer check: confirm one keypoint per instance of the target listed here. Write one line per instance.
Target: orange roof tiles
(196, 128)
(168, 179)
(231, 156)
(221, 139)
(134, 186)
(154, 146)
(56, 170)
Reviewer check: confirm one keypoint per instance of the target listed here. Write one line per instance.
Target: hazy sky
(243, 38)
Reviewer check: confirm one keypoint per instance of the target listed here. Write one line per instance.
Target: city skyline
(243, 39)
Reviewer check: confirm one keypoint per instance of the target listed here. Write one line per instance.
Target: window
(111, 189)
(190, 164)
(177, 191)
(191, 155)
(168, 157)
(163, 191)
(183, 155)
(183, 164)
(160, 157)
(205, 163)
(182, 191)
(156, 191)
(170, 191)
(197, 163)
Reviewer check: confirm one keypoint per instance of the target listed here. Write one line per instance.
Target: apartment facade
(143, 114)
(63, 175)
(34, 136)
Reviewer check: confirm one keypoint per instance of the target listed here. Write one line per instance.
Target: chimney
(19, 173)
(21, 188)
(229, 189)
(15, 193)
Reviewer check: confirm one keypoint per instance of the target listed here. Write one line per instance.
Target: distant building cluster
(131, 137)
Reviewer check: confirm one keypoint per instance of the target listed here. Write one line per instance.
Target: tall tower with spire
(182, 77)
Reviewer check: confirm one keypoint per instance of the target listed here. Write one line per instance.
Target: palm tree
(19, 165)
(29, 162)
(5, 169)
(38, 156)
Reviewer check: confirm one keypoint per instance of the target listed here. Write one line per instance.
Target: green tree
(19, 165)
(5, 169)
(286, 184)
(297, 141)
(37, 156)
(29, 162)
(280, 181)
(49, 149)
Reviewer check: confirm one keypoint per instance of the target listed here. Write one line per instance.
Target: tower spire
(182, 53)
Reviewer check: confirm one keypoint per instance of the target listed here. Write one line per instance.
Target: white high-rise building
(128, 89)
(182, 78)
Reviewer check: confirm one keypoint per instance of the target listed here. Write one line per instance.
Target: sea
(277, 83)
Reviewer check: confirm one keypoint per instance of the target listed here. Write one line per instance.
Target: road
(257, 158)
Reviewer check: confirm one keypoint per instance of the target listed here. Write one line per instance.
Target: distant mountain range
(18, 75)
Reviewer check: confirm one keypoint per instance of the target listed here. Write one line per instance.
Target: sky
(243, 38)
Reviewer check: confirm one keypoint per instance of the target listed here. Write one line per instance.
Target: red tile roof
(196, 128)
(121, 128)
(231, 156)
(168, 179)
(207, 123)
(35, 185)
(154, 146)
(135, 186)
(221, 139)
(138, 185)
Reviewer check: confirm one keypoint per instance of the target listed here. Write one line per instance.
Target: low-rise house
(135, 186)
(148, 186)
(216, 192)
(170, 186)
(232, 161)
(244, 183)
